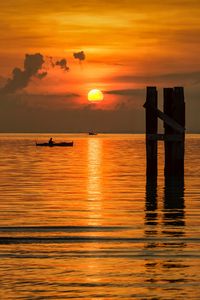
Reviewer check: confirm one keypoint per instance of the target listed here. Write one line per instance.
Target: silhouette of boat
(92, 133)
(61, 144)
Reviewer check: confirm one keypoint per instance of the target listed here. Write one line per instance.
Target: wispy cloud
(63, 64)
(125, 92)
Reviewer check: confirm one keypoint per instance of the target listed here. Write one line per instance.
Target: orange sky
(128, 45)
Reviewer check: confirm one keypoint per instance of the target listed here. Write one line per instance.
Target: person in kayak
(51, 141)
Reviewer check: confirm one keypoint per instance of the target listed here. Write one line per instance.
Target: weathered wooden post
(173, 118)
(174, 107)
(151, 129)
(174, 133)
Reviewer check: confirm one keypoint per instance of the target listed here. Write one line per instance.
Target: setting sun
(95, 95)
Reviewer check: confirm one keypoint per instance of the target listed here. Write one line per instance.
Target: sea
(83, 222)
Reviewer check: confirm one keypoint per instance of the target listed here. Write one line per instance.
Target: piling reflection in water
(170, 223)
(174, 202)
(151, 205)
(151, 202)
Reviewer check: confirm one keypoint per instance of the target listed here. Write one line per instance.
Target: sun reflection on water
(94, 186)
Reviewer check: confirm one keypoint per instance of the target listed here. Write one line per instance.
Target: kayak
(62, 144)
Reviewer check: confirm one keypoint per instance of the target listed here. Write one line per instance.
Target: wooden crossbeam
(169, 121)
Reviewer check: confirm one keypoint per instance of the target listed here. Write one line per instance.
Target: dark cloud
(63, 64)
(50, 61)
(42, 116)
(126, 92)
(41, 75)
(3, 81)
(79, 55)
(21, 78)
(190, 78)
(127, 98)
(43, 101)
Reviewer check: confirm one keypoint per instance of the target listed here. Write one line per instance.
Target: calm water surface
(83, 223)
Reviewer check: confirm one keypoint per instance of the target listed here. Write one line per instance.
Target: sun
(95, 95)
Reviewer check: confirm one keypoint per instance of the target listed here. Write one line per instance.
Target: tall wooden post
(179, 117)
(174, 107)
(151, 128)
(168, 94)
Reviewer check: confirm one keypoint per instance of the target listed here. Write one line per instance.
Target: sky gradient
(127, 45)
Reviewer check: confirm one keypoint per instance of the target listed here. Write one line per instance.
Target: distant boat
(92, 133)
(62, 144)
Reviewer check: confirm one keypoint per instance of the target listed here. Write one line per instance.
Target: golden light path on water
(94, 187)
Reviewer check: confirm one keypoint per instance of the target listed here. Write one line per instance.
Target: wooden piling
(174, 107)
(151, 128)
(168, 94)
